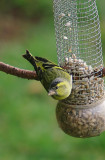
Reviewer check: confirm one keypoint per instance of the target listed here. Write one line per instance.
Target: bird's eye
(56, 87)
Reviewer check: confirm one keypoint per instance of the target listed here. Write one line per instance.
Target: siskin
(56, 81)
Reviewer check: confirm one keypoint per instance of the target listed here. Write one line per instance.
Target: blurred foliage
(26, 8)
(36, 8)
(101, 9)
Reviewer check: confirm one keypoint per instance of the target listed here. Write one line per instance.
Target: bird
(56, 81)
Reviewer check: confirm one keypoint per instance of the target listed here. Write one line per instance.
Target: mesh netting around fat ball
(79, 48)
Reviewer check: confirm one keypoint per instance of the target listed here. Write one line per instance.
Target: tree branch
(17, 71)
(32, 74)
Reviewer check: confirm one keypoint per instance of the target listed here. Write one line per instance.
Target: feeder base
(82, 121)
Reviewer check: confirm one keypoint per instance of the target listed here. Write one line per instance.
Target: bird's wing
(43, 65)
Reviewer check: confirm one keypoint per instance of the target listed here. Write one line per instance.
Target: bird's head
(60, 89)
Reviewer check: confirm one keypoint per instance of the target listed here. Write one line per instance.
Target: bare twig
(17, 71)
(32, 74)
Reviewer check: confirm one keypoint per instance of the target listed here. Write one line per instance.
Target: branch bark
(17, 71)
(30, 74)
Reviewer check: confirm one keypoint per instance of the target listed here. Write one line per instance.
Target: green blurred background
(28, 126)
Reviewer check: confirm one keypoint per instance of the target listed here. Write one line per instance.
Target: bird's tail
(28, 56)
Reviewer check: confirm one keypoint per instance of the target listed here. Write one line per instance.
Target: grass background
(28, 126)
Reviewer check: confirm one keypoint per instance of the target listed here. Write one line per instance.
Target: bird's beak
(51, 92)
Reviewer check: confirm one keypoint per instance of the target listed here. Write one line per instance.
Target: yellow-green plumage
(56, 81)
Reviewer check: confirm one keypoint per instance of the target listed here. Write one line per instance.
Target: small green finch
(56, 81)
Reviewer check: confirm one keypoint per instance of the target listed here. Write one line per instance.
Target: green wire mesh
(77, 29)
(79, 48)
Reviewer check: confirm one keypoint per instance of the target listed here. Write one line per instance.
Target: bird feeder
(79, 50)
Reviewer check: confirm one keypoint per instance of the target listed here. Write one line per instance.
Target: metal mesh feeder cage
(79, 50)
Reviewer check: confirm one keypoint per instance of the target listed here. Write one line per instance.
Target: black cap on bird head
(54, 86)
